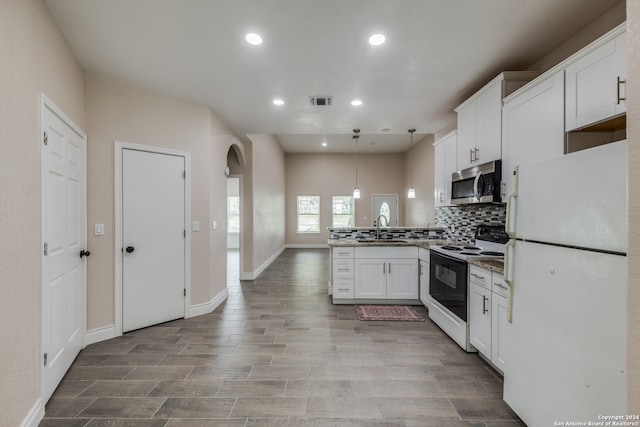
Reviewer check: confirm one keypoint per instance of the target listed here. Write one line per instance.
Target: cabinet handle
(500, 285)
(476, 156)
(441, 197)
(484, 305)
(471, 156)
(478, 276)
(343, 253)
(620, 81)
(384, 268)
(343, 289)
(389, 268)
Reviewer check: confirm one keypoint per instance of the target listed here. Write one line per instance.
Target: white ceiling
(437, 53)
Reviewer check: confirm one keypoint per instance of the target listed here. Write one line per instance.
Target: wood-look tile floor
(278, 353)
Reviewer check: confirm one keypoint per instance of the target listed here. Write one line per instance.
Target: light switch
(214, 225)
(195, 226)
(98, 230)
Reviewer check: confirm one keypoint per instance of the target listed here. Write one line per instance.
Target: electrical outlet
(195, 226)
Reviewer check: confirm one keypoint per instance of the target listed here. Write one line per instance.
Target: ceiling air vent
(321, 100)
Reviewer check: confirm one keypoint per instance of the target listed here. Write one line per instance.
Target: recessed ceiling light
(324, 144)
(278, 101)
(385, 129)
(253, 39)
(356, 102)
(376, 39)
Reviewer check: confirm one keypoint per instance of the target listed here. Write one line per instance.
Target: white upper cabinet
(532, 126)
(596, 82)
(480, 119)
(446, 163)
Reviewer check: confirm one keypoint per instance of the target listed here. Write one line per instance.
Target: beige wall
(117, 112)
(633, 256)
(327, 175)
(34, 57)
(267, 208)
(419, 164)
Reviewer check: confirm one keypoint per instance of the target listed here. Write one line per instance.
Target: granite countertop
(496, 265)
(421, 243)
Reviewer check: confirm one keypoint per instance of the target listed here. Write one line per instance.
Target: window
(233, 214)
(386, 213)
(343, 211)
(308, 214)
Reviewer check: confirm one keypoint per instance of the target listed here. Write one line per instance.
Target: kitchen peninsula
(379, 266)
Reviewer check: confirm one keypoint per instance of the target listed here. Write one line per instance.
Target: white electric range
(449, 284)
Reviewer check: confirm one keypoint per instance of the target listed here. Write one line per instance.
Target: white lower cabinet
(389, 273)
(371, 278)
(498, 326)
(480, 318)
(488, 314)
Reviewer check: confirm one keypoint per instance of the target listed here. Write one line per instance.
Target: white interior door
(387, 205)
(64, 237)
(153, 238)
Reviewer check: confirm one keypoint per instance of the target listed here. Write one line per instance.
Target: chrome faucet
(378, 225)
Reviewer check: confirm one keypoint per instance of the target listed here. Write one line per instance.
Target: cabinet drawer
(342, 269)
(343, 288)
(498, 285)
(346, 252)
(480, 276)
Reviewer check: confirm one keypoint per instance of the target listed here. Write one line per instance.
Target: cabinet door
(402, 279)
(489, 124)
(527, 140)
(480, 319)
(370, 278)
(424, 282)
(595, 85)
(466, 135)
(499, 324)
(450, 164)
(439, 173)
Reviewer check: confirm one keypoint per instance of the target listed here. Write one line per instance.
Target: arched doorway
(234, 215)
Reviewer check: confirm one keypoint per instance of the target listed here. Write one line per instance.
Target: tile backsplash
(459, 222)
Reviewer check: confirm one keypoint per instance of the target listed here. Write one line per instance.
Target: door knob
(130, 249)
(84, 253)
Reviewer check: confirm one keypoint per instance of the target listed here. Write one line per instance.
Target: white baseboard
(208, 307)
(35, 415)
(100, 334)
(307, 246)
(252, 275)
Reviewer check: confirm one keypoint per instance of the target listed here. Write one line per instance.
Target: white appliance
(448, 298)
(566, 268)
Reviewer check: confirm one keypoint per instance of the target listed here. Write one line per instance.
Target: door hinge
(46, 359)
(184, 233)
(185, 292)
(45, 139)
(184, 174)
(46, 249)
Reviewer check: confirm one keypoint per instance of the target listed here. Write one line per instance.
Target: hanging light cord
(411, 131)
(356, 136)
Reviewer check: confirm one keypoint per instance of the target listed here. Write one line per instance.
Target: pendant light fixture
(356, 190)
(411, 194)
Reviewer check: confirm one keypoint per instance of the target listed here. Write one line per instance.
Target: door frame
(119, 147)
(46, 103)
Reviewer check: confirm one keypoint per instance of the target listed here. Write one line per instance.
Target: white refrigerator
(566, 267)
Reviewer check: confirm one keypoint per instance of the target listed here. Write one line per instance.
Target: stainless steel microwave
(479, 184)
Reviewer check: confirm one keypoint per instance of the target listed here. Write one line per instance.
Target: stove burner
(452, 248)
(473, 248)
(491, 253)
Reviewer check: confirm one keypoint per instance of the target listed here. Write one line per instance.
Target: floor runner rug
(388, 312)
